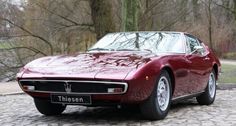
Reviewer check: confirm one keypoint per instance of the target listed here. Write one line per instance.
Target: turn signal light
(114, 90)
(28, 87)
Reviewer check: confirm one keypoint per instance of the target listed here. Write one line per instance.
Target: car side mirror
(198, 49)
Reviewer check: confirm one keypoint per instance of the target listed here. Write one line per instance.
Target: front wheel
(47, 108)
(208, 97)
(156, 107)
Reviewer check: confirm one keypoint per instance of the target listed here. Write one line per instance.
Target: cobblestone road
(20, 110)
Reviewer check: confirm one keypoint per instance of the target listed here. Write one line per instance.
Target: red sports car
(149, 69)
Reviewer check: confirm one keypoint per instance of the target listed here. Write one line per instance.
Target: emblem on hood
(67, 87)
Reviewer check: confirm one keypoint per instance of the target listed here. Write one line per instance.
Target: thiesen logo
(70, 99)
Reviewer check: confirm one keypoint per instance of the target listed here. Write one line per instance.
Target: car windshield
(155, 42)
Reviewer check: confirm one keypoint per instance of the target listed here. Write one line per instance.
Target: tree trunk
(130, 15)
(235, 10)
(226, 3)
(210, 24)
(196, 15)
(102, 17)
(183, 9)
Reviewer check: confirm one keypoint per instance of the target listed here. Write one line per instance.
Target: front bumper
(117, 92)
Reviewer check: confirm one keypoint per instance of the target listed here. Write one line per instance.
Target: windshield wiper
(126, 50)
(148, 50)
(99, 49)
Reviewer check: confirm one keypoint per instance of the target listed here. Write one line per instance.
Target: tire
(47, 108)
(152, 108)
(208, 97)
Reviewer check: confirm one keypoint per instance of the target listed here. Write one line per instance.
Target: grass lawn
(228, 74)
(4, 45)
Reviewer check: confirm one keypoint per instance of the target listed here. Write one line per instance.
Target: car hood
(96, 65)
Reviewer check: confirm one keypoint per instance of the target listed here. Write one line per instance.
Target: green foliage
(10, 43)
(228, 74)
(4, 45)
(229, 55)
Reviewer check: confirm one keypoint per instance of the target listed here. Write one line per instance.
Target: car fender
(143, 80)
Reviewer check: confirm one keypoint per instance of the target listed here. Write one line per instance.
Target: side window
(204, 52)
(191, 43)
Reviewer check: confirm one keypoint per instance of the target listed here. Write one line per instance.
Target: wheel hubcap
(211, 85)
(163, 93)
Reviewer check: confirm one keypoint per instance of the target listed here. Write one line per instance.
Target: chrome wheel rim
(212, 85)
(163, 93)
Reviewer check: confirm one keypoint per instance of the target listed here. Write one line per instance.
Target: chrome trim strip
(188, 95)
(83, 81)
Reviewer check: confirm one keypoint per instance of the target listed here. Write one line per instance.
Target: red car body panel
(87, 66)
(139, 69)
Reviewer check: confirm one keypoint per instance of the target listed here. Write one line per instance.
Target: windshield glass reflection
(155, 42)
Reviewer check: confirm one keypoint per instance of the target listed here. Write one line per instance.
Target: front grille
(82, 87)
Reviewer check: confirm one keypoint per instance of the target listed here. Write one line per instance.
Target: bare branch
(175, 20)
(63, 17)
(29, 48)
(152, 6)
(226, 8)
(14, 36)
(30, 33)
(10, 67)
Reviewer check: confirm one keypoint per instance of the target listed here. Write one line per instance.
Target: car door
(198, 64)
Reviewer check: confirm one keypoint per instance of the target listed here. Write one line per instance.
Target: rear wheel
(156, 107)
(47, 108)
(208, 97)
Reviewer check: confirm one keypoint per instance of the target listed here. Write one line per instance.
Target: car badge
(67, 87)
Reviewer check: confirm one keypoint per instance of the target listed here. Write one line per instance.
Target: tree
(210, 22)
(208, 8)
(235, 9)
(130, 10)
(102, 17)
(196, 14)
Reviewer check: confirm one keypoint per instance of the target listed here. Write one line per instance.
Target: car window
(204, 51)
(191, 43)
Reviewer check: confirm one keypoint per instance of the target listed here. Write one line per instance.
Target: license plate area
(71, 99)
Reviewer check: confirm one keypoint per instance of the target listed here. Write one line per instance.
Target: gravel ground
(20, 110)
